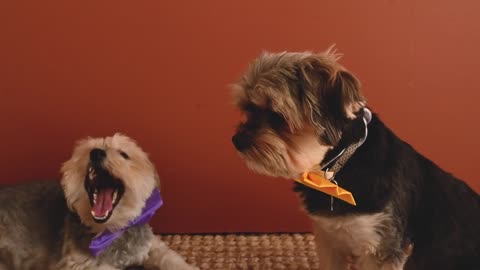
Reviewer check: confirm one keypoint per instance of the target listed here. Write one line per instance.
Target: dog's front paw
(189, 267)
(135, 267)
(351, 262)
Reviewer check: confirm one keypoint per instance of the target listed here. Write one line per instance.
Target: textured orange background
(158, 71)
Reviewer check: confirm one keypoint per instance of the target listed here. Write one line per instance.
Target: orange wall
(158, 71)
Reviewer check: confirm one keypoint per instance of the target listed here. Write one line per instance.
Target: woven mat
(252, 252)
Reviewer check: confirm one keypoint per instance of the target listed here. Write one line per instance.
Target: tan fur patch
(352, 241)
(357, 233)
(138, 175)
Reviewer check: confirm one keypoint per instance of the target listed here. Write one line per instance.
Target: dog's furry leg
(79, 261)
(162, 257)
(400, 264)
(82, 266)
(393, 266)
(397, 264)
(106, 267)
(371, 262)
(335, 257)
(329, 257)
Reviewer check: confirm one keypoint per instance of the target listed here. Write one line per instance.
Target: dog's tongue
(103, 202)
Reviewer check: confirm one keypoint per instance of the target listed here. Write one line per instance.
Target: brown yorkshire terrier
(306, 117)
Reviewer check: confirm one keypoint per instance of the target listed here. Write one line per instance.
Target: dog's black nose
(241, 141)
(97, 155)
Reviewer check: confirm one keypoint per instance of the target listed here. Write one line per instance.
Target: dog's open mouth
(104, 191)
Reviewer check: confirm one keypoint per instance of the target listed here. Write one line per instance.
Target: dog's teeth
(100, 218)
(91, 173)
(114, 196)
(104, 217)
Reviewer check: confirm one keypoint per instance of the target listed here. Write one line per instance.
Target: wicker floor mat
(251, 251)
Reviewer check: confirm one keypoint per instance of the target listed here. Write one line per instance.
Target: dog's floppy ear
(331, 95)
(350, 99)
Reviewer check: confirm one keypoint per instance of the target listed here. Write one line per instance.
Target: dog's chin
(105, 191)
(288, 156)
(275, 167)
(284, 164)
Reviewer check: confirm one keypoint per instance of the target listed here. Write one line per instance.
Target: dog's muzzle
(104, 189)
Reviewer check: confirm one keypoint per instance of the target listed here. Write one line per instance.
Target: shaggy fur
(45, 225)
(301, 110)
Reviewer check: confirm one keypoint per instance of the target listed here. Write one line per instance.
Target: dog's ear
(346, 92)
(331, 94)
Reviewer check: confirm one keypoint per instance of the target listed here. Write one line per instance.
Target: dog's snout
(97, 155)
(241, 141)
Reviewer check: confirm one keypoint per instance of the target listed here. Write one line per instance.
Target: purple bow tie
(102, 241)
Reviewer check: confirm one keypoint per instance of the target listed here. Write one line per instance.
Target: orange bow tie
(320, 183)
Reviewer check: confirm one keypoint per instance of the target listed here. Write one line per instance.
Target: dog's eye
(250, 108)
(124, 155)
(276, 120)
